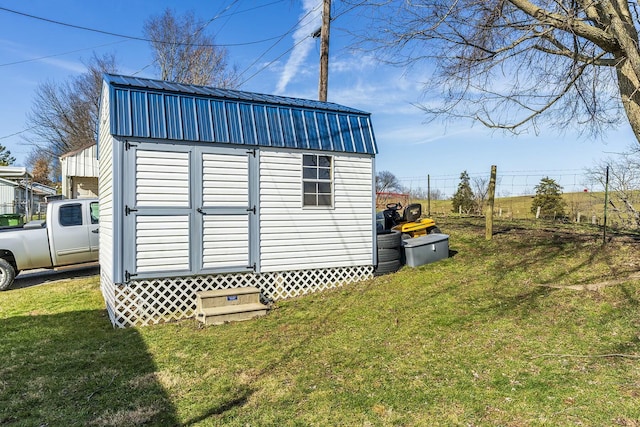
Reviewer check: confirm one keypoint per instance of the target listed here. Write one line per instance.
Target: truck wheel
(385, 255)
(389, 239)
(434, 230)
(387, 267)
(7, 274)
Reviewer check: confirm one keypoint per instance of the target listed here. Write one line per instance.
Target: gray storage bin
(426, 249)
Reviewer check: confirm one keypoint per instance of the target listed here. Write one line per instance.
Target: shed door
(189, 210)
(226, 209)
(158, 210)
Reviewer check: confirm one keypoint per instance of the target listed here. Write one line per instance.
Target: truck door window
(71, 215)
(94, 209)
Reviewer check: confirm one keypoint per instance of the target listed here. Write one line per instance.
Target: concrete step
(231, 313)
(229, 305)
(227, 297)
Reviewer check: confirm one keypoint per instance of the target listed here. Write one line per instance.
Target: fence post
(490, 203)
(606, 196)
(538, 212)
(429, 195)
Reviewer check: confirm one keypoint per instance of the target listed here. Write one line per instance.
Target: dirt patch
(594, 286)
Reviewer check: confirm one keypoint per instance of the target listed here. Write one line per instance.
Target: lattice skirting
(146, 302)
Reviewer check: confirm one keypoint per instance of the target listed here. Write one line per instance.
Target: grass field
(538, 327)
(519, 207)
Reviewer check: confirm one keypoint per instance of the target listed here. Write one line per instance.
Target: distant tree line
(387, 182)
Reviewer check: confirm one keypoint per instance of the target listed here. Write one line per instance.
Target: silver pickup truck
(68, 236)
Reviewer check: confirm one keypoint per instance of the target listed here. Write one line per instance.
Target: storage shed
(204, 188)
(8, 195)
(80, 172)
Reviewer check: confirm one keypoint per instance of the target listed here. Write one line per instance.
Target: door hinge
(253, 209)
(253, 267)
(128, 145)
(128, 210)
(128, 276)
(252, 152)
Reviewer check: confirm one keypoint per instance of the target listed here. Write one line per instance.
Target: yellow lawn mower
(409, 223)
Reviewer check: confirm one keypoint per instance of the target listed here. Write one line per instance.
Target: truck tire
(389, 240)
(7, 274)
(387, 267)
(434, 230)
(385, 255)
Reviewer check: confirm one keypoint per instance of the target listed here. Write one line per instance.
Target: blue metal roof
(163, 110)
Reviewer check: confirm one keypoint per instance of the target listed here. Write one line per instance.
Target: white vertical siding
(106, 192)
(7, 197)
(293, 237)
(83, 163)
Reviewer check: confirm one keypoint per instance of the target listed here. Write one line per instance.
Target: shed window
(317, 179)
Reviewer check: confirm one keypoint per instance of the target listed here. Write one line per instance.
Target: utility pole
(324, 51)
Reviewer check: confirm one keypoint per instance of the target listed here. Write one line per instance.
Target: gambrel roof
(157, 109)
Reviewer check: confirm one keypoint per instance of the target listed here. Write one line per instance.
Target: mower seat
(412, 213)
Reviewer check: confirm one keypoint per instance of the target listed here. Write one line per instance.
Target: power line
(109, 33)
(17, 133)
(60, 54)
(289, 31)
(278, 57)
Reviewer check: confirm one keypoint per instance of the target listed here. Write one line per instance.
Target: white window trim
(331, 181)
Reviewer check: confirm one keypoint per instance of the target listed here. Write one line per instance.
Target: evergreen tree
(464, 195)
(549, 198)
(6, 159)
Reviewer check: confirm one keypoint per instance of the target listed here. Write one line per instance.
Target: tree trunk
(628, 84)
(628, 68)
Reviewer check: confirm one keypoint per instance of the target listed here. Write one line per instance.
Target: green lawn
(502, 333)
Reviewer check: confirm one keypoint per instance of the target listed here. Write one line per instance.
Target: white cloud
(310, 21)
(17, 53)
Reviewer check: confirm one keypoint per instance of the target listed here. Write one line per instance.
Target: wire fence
(508, 184)
(584, 197)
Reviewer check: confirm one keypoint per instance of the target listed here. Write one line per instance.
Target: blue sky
(33, 51)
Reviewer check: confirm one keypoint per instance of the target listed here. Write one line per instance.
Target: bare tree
(387, 181)
(420, 193)
(624, 183)
(480, 188)
(64, 116)
(185, 53)
(513, 64)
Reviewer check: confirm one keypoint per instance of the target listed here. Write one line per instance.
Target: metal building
(80, 172)
(204, 188)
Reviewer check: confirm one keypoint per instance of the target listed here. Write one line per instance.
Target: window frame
(76, 207)
(318, 180)
(95, 220)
